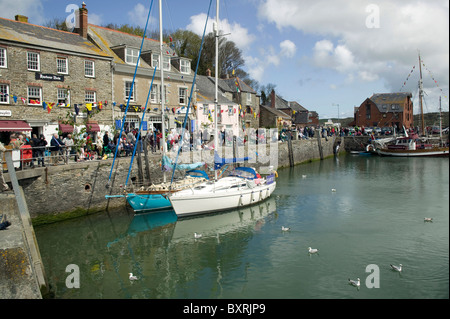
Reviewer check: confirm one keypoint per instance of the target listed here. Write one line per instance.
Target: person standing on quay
(3, 185)
(41, 149)
(55, 144)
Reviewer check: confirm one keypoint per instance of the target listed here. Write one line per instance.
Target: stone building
(48, 76)
(177, 80)
(385, 110)
(228, 111)
(239, 92)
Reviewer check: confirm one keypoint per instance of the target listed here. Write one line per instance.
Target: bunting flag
(89, 106)
(77, 110)
(407, 78)
(49, 107)
(24, 100)
(44, 106)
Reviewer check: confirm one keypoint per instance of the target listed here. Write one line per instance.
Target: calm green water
(375, 217)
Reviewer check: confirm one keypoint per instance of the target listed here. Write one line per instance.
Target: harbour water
(361, 213)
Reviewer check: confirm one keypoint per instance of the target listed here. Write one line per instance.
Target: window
(154, 95)
(3, 60)
(4, 93)
(128, 90)
(131, 56)
(61, 65)
(182, 95)
(34, 95)
(63, 97)
(205, 109)
(249, 98)
(155, 60)
(166, 62)
(230, 110)
(33, 61)
(185, 66)
(89, 97)
(89, 68)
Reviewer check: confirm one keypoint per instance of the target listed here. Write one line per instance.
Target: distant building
(385, 110)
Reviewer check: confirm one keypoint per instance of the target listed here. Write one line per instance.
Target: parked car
(386, 131)
(445, 130)
(377, 130)
(368, 130)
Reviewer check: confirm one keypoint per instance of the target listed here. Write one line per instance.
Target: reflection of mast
(422, 124)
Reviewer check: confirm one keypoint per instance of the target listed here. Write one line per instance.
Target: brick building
(385, 110)
(47, 76)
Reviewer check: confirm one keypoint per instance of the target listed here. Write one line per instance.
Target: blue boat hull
(148, 202)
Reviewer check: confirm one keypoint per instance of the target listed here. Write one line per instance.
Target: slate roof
(47, 38)
(276, 112)
(229, 85)
(206, 91)
(109, 38)
(386, 101)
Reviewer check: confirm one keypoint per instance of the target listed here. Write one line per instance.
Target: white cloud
(288, 48)
(96, 19)
(361, 51)
(234, 31)
(33, 9)
(138, 16)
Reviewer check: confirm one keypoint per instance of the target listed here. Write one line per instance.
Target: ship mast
(422, 124)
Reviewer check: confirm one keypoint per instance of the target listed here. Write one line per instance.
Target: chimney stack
(272, 99)
(21, 18)
(83, 20)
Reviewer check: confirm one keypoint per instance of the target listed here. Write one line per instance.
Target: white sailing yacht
(243, 187)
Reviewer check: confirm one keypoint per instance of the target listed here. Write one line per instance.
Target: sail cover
(168, 165)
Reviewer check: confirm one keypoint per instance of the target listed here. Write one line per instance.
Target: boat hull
(148, 202)
(186, 204)
(437, 152)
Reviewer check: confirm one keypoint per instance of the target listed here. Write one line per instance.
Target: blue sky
(321, 53)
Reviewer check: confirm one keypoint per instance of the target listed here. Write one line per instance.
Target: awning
(65, 128)
(14, 126)
(92, 127)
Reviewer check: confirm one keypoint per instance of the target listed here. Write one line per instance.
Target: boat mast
(422, 124)
(216, 97)
(440, 120)
(163, 97)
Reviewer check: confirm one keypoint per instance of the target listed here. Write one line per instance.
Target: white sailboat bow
(243, 188)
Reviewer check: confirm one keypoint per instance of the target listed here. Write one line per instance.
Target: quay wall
(61, 192)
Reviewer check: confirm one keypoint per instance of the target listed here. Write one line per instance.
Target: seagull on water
(355, 283)
(397, 268)
(285, 228)
(333, 190)
(303, 176)
(312, 250)
(428, 219)
(197, 235)
(131, 276)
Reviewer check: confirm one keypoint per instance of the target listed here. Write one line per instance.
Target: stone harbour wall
(60, 192)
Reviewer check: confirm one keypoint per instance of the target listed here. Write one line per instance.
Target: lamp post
(338, 111)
